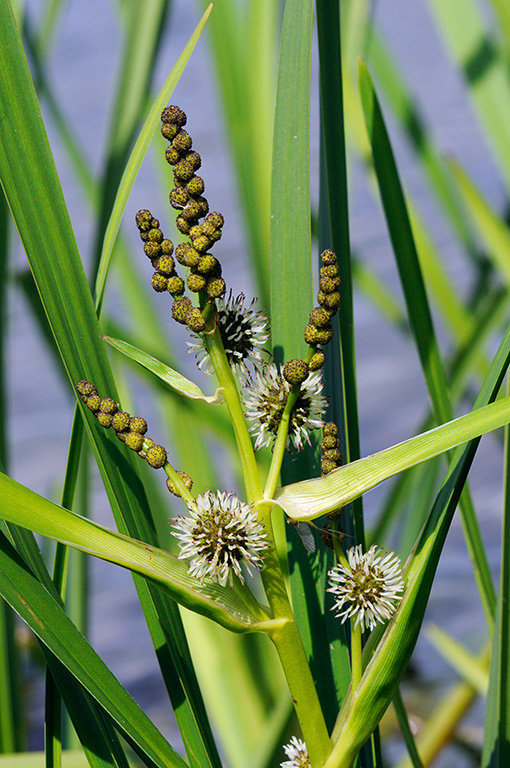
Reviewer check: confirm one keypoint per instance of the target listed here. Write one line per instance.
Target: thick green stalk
(286, 639)
(226, 380)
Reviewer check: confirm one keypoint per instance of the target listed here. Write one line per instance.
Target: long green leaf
(171, 378)
(46, 617)
(23, 507)
(138, 153)
(32, 188)
(309, 499)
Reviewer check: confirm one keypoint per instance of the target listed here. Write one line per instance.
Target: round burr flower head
(219, 533)
(297, 753)
(369, 588)
(243, 331)
(265, 402)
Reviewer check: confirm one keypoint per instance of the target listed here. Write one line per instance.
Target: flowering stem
(184, 491)
(286, 638)
(226, 380)
(356, 645)
(292, 655)
(280, 443)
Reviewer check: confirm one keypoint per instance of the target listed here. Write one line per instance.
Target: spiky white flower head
(368, 588)
(264, 403)
(297, 753)
(243, 331)
(220, 532)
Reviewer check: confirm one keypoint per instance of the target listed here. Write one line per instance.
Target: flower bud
(173, 114)
(319, 317)
(85, 389)
(180, 308)
(156, 456)
(182, 142)
(216, 287)
(134, 441)
(317, 360)
(105, 419)
(137, 424)
(188, 482)
(159, 282)
(328, 257)
(120, 421)
(295, 371)
(175, 286)
(195, 186)
(195, 320)
(178, 197)
(143, 220)
(196, 282)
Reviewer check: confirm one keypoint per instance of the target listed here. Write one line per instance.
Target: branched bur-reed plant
(225, 537)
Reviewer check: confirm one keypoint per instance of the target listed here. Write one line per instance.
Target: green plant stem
(280, 443)
(292, 655)
(184, 491)
(286, 638)
(281, 437)
(226, 380)
(356, 647)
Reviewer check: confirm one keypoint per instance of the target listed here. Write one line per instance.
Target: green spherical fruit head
(195, 320)
(328, 257)
(195, 186)
(120, 421)
(173, 114)
(93, 402)
(196, 282)
(311, 335)
(175, 285)
(169, 131)
(134, 441)
(328, 443)
(105, 419)
(319, 317)
(165, 265)
(216, 287)
(159, 282)
(317, 360)
(137, 424)
(330, 428)
(108, 405)
(295, 371)
(143, 219)
(85, 389)
(180, 309)
(201, 243)
(156, 456)
(182, 142)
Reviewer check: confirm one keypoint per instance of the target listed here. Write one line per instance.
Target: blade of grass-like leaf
(474, 48)
(144, 21)
(496, 742)
(405, 730)
(33, 191)
(236, 609)
(70, 759)
(49, 622)
(309, 499)
(172, 378)
(388, 75)
(291, 277)
(340, 369)
(242, 40)
(138, 153)
(386, 661)
(467, 665)
(491, 227)
(418, 310)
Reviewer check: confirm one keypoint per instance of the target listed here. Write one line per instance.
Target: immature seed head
(221, 532)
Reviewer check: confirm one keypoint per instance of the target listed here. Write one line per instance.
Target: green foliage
(254, 662)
